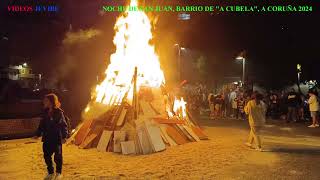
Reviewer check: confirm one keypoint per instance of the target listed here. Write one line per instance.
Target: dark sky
(274, 43)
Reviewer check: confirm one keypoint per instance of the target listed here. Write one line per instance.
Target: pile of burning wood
(148, 124)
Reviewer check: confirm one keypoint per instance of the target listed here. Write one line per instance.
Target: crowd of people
(230, 101)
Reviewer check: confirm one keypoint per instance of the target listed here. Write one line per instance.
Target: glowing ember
(133, 34)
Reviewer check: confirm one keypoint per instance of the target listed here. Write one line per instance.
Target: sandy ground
(292, 152)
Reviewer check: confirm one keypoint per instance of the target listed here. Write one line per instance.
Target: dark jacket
(53, 129)
(293, 99)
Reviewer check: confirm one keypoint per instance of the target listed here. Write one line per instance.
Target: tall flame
(132, 38)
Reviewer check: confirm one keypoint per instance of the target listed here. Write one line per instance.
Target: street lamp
(299, 70)
(243, 67)
(179, 59)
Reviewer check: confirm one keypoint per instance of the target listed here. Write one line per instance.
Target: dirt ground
(292, 152)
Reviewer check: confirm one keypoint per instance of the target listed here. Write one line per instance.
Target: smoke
(70, 53)
(80, 36)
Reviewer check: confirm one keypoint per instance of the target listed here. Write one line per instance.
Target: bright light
(182, 48)
(176, 44)
(87, 109)
(25, 64)
(299, 67)
(133, 49)
(239, 58)
(179, 107)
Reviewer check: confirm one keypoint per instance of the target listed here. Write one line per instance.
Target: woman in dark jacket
(54, 130)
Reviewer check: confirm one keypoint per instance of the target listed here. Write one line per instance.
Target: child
(54, 130)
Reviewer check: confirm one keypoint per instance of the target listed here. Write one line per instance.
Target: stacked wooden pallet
(119, 131)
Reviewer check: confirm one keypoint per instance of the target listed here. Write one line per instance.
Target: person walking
(54, 130)
(256, 110)
(314, 109)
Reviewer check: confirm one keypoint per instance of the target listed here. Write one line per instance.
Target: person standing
(54, 130)
(256, 110)
(301, 107)
(314, 109)
(219, 100)
(211, 102)
(240, 105)
(234, 105)
(293, 103)
(226, 103)
(232, 97)
(273, 105)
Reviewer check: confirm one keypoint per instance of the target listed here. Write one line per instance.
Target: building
(18, 72)
(22, 74)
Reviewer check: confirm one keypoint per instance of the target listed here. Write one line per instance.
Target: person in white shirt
(256, 110)
(314, 109)
(232, 97)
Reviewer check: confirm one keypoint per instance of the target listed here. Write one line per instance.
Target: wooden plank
(167, 121)
(137, 144)
(83, 132)
(183, 132)
(128, 147)
(144, 141)
(110, 145)
(192, 134)
(147, 110)
(98, 131)
(164, 138)
(71, 140)
(171, 142)
(154, 109)
(154, 135)
(130, 131)
(175, 135)
(118, 137)
(87, 142)
(115, 116)
(122, 117)
(84, 136)
(199, 132)
(191, 119)
(104, 140)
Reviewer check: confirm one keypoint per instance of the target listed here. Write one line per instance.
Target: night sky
(274, 43)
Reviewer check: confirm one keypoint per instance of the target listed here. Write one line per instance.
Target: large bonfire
(130, 110)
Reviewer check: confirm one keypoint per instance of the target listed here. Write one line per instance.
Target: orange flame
(179, 108)
(133, 34)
